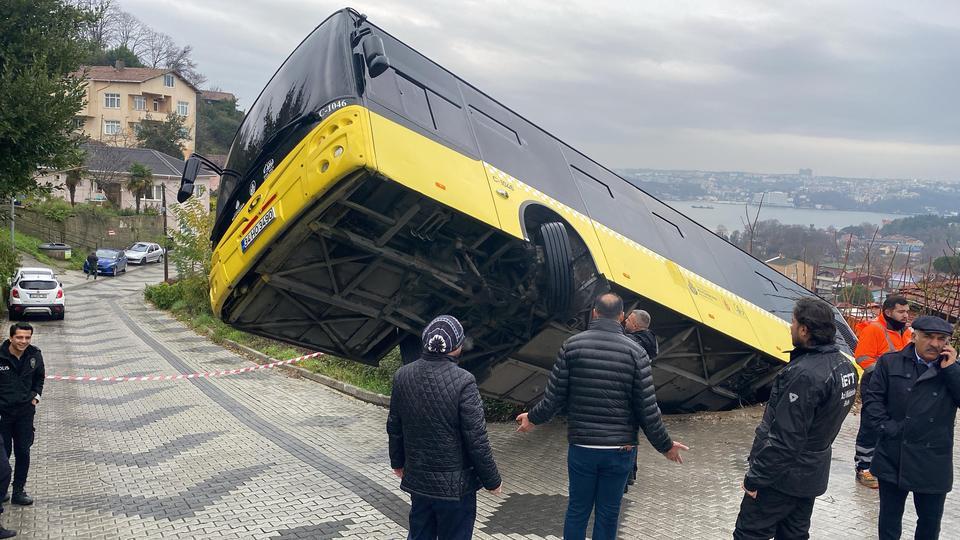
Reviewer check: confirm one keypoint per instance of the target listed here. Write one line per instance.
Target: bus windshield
(318, 72)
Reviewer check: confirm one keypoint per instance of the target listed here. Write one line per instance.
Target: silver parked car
(144, 252)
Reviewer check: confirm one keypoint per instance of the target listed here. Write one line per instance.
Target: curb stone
(340, 386)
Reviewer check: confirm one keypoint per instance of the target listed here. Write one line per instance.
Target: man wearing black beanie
(438, 437)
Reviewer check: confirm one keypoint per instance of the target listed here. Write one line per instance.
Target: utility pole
(13, 215)
(166, 243)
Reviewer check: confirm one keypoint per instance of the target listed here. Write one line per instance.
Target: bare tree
(180, 60)
(156, 49)
(129, 32)
(100, 26)
(751, 225)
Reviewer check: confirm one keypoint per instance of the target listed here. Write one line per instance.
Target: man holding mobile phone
(912, 400)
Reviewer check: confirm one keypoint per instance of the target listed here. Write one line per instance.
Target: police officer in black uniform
(5, 473)
(912, 399)
(21, 383)
(790, 459)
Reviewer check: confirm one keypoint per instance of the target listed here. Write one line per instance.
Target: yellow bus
(369, 189)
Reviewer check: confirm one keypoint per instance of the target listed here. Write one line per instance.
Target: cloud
(718, 80)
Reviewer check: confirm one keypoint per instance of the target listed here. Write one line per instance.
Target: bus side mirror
(374, 55)
(190, 170)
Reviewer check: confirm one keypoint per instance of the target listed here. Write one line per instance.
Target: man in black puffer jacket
(603, 380)
(789, 464)
(438, 437)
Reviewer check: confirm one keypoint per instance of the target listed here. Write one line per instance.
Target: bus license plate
(258, 228)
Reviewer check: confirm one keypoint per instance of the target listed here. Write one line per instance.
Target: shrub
(54, 209)
(95, 212)
(189, 295)
(162, 295)
(9, 260)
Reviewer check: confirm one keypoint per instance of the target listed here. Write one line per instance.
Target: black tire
(13, 316)
(558, 261)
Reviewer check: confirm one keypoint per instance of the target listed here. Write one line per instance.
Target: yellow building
(798, 271)
(120, 98)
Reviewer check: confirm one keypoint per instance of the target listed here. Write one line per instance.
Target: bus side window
(495, 126)
(586, 179)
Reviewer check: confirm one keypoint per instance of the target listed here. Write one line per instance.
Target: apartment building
(799, 271)
(120, 98)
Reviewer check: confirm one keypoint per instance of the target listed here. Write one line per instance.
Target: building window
(168, 80)
(183, 108)
(156, 105)
(111, 101)
(78, 123)
(136, 128)
(153, 193)
(139, 103)
(111, 127)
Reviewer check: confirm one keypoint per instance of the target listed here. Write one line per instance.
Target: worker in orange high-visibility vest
(887, 333)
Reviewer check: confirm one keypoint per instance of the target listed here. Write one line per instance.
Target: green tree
(41, 48)
(217, 123)
(9, 260)
(948, 264)
(857, 295)
(167, 136)
(141, 178)
(74, 176)
(191, 240)
(109, 57)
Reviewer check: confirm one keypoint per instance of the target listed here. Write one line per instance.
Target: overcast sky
(848, 87)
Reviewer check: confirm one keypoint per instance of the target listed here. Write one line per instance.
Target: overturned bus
(369, 189)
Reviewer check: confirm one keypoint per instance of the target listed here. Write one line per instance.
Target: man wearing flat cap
(912, 400)
(438, 437)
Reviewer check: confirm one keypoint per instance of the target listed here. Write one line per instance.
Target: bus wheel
(558, 265)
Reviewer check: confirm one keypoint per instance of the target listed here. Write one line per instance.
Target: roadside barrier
(182, 376)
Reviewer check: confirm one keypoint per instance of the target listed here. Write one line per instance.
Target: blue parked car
(109, 262)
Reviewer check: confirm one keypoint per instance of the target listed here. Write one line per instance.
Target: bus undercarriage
(364, 269)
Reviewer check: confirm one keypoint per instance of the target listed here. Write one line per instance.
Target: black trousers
(438, 519)
(5, 474)
(16, 429)
(867, 435)
(774, 515)
(929, 508)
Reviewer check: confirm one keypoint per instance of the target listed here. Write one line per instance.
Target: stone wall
(85, 231)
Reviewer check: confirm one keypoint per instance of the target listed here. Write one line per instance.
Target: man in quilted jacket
(438, 437)
(603, 381)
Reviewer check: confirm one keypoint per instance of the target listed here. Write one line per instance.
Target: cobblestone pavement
(263, 455)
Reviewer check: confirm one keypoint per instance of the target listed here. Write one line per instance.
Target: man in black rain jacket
(438, 437)
(21, 383)
(789, 464)
(912, 400)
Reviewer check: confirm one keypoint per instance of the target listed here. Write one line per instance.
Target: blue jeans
(597, 479)
(433, 519)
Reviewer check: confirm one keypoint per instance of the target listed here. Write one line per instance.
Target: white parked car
(144, 252)
(33, 271)
(36, 294)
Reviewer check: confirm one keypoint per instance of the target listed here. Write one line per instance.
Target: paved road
(263, 455)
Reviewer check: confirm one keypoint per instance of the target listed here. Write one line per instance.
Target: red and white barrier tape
(180, 376)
